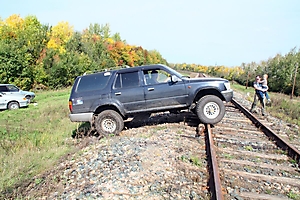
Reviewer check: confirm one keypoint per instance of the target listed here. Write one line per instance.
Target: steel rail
(214, 181)
(280, 142)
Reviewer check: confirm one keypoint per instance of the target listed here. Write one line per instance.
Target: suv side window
(156, 76)
(93, 82)
(126, 80)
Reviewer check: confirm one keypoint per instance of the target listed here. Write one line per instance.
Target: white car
(12, 89)
(13, 101)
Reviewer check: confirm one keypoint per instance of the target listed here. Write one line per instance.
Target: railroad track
(247, 160)
(162, 159)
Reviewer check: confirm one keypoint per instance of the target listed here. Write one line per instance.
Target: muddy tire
(210, 109)
(109, 122)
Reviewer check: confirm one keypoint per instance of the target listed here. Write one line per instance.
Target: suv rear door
(128, 91)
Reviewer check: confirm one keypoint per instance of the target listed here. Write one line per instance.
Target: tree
(21, 43)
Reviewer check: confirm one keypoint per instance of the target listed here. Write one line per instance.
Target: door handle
(118, 93)
(150, 89)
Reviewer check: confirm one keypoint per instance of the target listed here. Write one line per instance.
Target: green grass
(248, 148)
(33, 139)
(293, 195)
(193, 160)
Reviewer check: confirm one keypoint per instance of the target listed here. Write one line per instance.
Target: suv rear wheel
(109, 122)
(210, 109)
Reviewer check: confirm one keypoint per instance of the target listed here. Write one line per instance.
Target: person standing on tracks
(264, 85)
(259, 94)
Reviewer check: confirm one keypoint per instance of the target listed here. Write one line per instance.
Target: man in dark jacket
(258, 94)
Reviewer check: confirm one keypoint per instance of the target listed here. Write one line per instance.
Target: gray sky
(211, 32)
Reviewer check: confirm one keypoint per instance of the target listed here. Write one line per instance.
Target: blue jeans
(265, 93)
(260, 94)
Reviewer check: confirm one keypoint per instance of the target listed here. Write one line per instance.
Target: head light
(227, 85)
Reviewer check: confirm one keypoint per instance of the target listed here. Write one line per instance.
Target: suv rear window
(93, 82)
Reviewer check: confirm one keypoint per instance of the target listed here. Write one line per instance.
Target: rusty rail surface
(215, 182)
(280, 142)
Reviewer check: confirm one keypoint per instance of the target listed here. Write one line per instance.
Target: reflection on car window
(156, 76)
(125, 80)
(12, 88)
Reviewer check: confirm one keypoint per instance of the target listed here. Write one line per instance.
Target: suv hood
(194, 80)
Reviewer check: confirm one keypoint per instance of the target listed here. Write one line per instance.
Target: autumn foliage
(33, 55)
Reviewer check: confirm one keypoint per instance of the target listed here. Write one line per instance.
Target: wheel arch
(208, 91)
(108, 107)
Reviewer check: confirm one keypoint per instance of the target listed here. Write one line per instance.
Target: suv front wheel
(210, 109)
(109, 122)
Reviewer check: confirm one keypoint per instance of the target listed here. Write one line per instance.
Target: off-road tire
(109, 122)
(210, 109)
(13, 105)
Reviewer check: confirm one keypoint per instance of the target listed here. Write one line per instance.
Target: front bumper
(228, 95)
(23, 103)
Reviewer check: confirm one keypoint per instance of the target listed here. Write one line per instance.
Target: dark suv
(106, 99)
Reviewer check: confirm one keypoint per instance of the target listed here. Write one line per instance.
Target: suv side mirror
(174, 79)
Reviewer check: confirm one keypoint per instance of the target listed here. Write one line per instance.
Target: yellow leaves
(59, 36)
(109, 40)
(13, 24)
(62, 50)
(14, 21)
(63, 31)
(1, 22)
(201, 68)
(52, 44)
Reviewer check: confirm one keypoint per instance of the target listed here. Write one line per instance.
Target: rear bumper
(81, 117)
(228, 95)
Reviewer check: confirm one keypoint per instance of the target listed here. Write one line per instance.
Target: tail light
(70, 105)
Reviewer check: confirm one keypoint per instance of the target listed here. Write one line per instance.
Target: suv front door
(161, 93)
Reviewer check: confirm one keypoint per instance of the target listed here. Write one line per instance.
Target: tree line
(283, 72)
(35, 55)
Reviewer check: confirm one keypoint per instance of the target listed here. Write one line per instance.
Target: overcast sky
(206, 32)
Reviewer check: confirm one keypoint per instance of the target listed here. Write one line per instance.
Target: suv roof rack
(106, 69)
